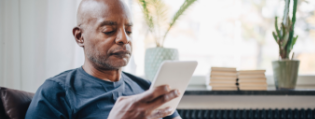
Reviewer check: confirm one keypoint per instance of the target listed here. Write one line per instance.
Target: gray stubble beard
(102, 64)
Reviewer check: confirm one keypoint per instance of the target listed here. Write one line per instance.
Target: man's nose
(122, 37)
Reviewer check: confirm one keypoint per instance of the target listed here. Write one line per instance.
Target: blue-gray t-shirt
(74, 94)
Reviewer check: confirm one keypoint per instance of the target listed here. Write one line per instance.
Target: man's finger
(154, 93)
(122, 98)
(160, 113)
(163, 99)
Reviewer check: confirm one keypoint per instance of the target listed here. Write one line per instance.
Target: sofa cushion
(2, 112)
(15, 102)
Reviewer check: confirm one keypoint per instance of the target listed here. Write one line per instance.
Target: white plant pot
(154, 57)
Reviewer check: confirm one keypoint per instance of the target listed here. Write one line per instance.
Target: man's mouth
(121, 54)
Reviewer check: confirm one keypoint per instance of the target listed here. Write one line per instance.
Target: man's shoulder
(55, 85)
(61, 77)
(140, 81)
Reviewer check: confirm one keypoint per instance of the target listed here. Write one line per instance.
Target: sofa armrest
(15, 102)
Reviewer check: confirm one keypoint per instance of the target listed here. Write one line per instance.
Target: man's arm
(49, 103)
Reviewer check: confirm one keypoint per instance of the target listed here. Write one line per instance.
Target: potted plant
(154, 12)
(286, 69)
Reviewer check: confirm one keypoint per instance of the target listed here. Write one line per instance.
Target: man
(99, 89)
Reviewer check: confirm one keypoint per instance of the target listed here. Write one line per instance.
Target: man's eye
(128, 32)
(108, 33)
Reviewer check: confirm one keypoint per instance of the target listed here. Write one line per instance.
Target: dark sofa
(14, 103)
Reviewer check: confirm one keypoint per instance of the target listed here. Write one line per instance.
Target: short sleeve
(175, 114)
(49, 102)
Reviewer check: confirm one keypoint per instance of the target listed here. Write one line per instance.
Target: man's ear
(77, 33)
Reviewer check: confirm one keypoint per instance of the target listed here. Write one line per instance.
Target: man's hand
(143, 106)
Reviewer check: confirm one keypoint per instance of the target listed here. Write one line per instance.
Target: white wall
(36, 41)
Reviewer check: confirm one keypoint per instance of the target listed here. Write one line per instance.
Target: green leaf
(285, 40)
(283, 31)
(276, 26)
(293, 41)
(181, 10)
(295, 3)
(294, 13)
(290, 22)
(286, 11)
(147, 14)
(275, 36)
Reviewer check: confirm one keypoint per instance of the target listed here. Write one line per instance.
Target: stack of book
(222, 78)
(252, 80)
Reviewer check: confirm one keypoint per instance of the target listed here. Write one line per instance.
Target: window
(230, 33)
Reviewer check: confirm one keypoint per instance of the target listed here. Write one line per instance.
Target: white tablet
(177, 75)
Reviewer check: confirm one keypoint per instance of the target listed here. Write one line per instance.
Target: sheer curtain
(36, 41)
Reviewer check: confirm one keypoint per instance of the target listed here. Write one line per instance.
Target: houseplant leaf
(290, 42)
(277, 28)
(275, 36)
(293, 42)
(181, 10)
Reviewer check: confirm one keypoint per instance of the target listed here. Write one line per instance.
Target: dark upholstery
(14, 103)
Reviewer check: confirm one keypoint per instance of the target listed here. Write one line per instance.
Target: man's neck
(107, 75)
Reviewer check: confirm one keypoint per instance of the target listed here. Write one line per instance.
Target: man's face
(107, 36)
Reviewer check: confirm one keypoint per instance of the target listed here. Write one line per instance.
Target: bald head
(104, 32)
(90, 10)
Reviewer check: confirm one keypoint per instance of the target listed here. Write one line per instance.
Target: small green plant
(154, 12)
(284, 35)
